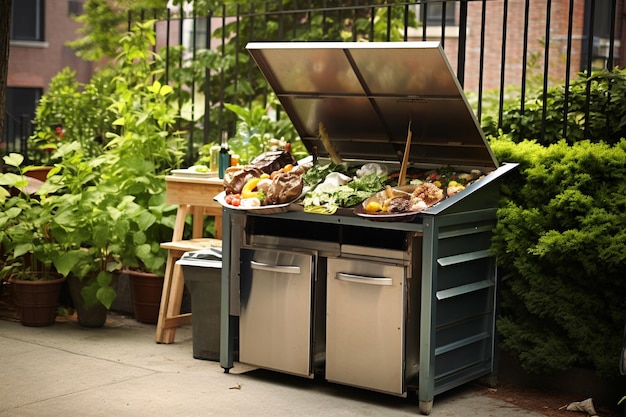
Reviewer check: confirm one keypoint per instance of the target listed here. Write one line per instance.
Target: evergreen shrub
(561, 248)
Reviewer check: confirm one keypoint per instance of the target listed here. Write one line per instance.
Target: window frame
(431, 14)
(35, 17)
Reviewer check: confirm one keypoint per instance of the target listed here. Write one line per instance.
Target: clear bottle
(215, 158)
(224, 156)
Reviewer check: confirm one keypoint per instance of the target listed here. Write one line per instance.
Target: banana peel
(332, 152)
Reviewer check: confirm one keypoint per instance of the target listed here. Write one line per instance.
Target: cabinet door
(365, 325)
(275, 317)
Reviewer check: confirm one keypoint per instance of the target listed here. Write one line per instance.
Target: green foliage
(239, 79)
(142, 151)
(58, 120)
(234, 78)
(603, 93)
(104, 22)
(27, 247)
(103, 206)
(258, 132)
(561, 240)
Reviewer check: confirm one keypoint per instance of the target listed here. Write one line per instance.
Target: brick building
(504, 23)
(39, 31)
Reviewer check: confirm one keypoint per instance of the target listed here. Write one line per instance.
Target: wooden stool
(195, 197)
(173, 286)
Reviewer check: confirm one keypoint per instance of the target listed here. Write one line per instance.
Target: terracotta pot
(87, 316)
(37, 301)
(40, 173)
(146, 289)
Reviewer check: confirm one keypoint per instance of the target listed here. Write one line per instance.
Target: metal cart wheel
(426, 407)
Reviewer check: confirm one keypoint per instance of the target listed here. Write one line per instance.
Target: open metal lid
(365, 94)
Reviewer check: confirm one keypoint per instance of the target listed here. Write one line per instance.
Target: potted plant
(109, 203)
(85, 232)
(143, 152)
(141, 255)
(28, 248)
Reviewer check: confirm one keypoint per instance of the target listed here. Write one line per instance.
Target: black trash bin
(202, 272)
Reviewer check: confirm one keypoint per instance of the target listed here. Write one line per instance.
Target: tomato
(236, 201)
(231, 197)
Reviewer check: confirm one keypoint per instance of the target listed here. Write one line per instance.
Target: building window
(75, 8)
(199, 30)
(601, 37)
(435, 20)
(27, 20)
(436, 13)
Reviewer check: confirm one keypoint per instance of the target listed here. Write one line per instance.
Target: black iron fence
(15, 133)
(501, 50)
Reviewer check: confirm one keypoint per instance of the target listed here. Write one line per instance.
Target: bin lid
(208, 257)
(365, 94)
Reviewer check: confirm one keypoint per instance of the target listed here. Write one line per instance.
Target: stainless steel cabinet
(275, 312)
(365, 324)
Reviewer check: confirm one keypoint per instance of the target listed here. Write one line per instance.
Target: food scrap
(424, 192)
(275, 178)
(271, 178)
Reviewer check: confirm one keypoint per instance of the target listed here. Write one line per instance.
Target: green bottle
(224, 156)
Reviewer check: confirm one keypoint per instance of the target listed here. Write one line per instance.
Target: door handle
(342, 276)
(282, 269)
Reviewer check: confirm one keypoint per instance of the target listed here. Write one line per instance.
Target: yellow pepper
(373, 207)
(247, 192)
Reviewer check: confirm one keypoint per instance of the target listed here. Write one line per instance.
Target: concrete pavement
(119, 370)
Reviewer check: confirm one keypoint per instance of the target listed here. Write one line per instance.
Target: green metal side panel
(458, 301)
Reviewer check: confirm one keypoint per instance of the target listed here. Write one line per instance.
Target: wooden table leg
(163, 335)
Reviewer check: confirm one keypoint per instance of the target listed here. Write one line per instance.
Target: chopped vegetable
(317, 173)
(199, 168)
(248, 189)
(373, 207)
(228, 199)
(331, 195)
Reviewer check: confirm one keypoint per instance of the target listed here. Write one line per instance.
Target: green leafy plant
(259, 131)
(107, 202)
(560, 237)
(28, 248)
(235, 80)
(595, 111)
(82, 226)
(58, 120)
(143, 151)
